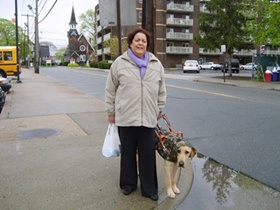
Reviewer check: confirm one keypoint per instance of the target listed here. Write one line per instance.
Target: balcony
(179, 36)
(181, 8)
(245, 52)
(97, 18)
(105, 38)
(179, 50)
(106, 51)
(204, 9)
(100, 28)
(272, 52)
(179, 22)
(210, 52)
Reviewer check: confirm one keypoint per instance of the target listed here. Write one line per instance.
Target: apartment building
(176, 26)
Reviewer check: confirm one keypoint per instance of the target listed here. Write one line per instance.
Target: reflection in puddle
(218, 187)
(221, 178)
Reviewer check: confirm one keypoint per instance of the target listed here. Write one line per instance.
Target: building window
(140, 1)
(170, 16)
(140, 14)
(169, 44)
(169, 29)
(185, 44)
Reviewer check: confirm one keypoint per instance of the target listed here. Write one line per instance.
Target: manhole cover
(37, 133)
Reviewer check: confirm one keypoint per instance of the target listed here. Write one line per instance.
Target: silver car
(249, 66)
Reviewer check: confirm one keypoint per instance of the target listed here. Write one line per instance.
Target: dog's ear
(193, 153)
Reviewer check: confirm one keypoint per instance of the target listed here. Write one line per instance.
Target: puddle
(37, 133)
(218, 187)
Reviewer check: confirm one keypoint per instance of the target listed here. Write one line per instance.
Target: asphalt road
(235, 126)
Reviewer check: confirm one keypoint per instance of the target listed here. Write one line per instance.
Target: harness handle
(161, 136)
(168, 124)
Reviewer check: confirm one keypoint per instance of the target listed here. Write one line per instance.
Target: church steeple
(73, 18)
(72, 25)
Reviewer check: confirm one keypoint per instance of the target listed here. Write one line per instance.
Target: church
(79, 49)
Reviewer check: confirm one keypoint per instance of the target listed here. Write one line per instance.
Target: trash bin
(267, 75)
(275, 75)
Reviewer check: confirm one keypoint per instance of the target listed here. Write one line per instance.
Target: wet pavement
(216, 187)
(50, 158)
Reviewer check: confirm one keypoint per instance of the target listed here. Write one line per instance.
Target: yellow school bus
(9, 61)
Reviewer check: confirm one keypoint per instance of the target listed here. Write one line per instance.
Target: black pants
(141, 139)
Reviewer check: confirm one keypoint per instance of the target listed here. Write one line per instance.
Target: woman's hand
(159, 115)
(111, 118)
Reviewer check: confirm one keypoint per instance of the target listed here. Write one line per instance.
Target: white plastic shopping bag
(111, 145)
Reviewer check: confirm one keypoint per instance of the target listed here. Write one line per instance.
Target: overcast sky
(55, 26)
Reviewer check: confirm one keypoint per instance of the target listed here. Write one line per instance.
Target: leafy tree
(7, 33)
(264, 22)
(88, 24)
(60, 54)
(223, 24)
(8, 36)
(113, 44)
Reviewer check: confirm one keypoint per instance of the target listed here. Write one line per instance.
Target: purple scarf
(140, 62)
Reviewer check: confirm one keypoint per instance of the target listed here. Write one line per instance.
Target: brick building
(176, 26)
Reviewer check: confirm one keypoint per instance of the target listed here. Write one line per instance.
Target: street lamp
(29, 7)
(36, 66)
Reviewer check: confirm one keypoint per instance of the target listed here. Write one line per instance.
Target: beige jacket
(135, 101)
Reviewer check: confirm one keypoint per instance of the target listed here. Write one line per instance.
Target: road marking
(204, 91)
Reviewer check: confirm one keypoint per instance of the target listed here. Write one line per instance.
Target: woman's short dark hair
(132, 34)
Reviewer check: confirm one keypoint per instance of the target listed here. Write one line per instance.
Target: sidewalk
(50, 153)
(274, 85)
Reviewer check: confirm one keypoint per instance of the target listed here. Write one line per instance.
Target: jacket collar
(152, 57)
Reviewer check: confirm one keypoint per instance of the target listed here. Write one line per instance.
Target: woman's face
(139, 44)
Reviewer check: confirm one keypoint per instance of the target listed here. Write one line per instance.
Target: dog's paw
(176, 190)
(170, 193)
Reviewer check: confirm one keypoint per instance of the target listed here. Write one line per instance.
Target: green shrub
(93, 64)
(73, 65)
(65, 63)
(107, 65)
(104, 64)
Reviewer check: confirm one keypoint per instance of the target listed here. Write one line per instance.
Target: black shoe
(127, 190)
(153, 197)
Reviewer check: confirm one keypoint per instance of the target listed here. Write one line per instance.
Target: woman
(135, 95)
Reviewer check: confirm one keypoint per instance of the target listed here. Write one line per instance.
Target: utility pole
(27, 26)
(119, 27)
(149, 21)
(17, 48)
(36, 39)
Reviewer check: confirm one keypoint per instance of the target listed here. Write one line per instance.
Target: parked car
(2, 99)
(191, 66)
(5, 84)
(273, 65)
(234, 65)
(219, 66)
(249, 66)
(207, 65)
(210, 65)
